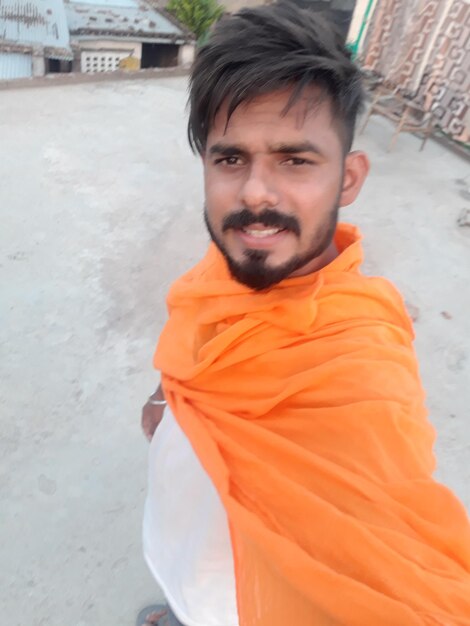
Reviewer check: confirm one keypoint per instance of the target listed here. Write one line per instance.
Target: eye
(297, 161)
(230, 160)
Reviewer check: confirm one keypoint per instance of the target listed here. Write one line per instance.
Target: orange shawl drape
(304, 405)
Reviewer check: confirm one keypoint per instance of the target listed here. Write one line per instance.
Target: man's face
(273, 184)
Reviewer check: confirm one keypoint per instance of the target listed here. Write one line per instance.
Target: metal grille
(96, 62)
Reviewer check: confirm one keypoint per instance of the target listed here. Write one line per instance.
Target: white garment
(186, 536)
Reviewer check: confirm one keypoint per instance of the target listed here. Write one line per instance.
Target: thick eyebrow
(296, 148)
(223, 149)
(226, 150)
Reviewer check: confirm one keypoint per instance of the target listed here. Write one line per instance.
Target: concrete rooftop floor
(101, 202)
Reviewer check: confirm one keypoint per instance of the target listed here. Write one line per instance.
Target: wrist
(155, 402)
(157, 398)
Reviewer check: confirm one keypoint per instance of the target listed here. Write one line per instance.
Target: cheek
(315, 200)
(217, 190)
(220, 196)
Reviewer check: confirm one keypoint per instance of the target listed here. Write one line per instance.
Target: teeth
(262, 233)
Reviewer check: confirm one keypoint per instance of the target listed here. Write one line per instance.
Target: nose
(258, 190)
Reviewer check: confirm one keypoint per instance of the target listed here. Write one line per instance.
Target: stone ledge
(78, 78)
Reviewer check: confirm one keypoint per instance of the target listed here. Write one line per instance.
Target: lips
(262, 225)
(260, 232)
(259, 236)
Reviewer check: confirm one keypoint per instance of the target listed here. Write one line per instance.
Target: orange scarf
(304, 405)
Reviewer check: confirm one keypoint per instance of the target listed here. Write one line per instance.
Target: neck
(319, 262)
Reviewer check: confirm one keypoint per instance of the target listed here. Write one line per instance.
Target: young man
(290, 479)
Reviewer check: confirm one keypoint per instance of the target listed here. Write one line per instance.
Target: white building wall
(105, 44)
(39, 63)
(105, 54)
(186, 54)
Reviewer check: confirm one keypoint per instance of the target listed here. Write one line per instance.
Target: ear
(356, 168)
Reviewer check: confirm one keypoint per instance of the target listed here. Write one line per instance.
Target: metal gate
(15, 65)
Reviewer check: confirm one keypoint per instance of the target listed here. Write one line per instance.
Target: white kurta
(186, 536)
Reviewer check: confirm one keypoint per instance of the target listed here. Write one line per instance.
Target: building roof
(31, 23)
(123, 18)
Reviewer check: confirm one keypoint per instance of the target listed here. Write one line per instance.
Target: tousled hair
(265, 49)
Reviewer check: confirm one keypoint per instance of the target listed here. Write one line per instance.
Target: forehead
(310, 117)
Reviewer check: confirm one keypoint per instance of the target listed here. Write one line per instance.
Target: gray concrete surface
(100, 204)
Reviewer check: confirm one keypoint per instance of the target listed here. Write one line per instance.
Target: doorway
(159, 55)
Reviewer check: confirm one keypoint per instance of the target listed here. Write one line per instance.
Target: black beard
(254, 272)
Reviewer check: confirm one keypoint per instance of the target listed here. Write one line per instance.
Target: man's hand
(152, 415)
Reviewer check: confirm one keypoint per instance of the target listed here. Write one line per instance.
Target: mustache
(269, 217)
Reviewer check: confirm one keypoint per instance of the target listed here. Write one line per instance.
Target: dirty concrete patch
(464, 218)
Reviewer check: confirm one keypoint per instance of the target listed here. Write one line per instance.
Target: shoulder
(361, 301)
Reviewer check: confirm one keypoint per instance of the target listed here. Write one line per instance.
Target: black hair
(265, 49)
